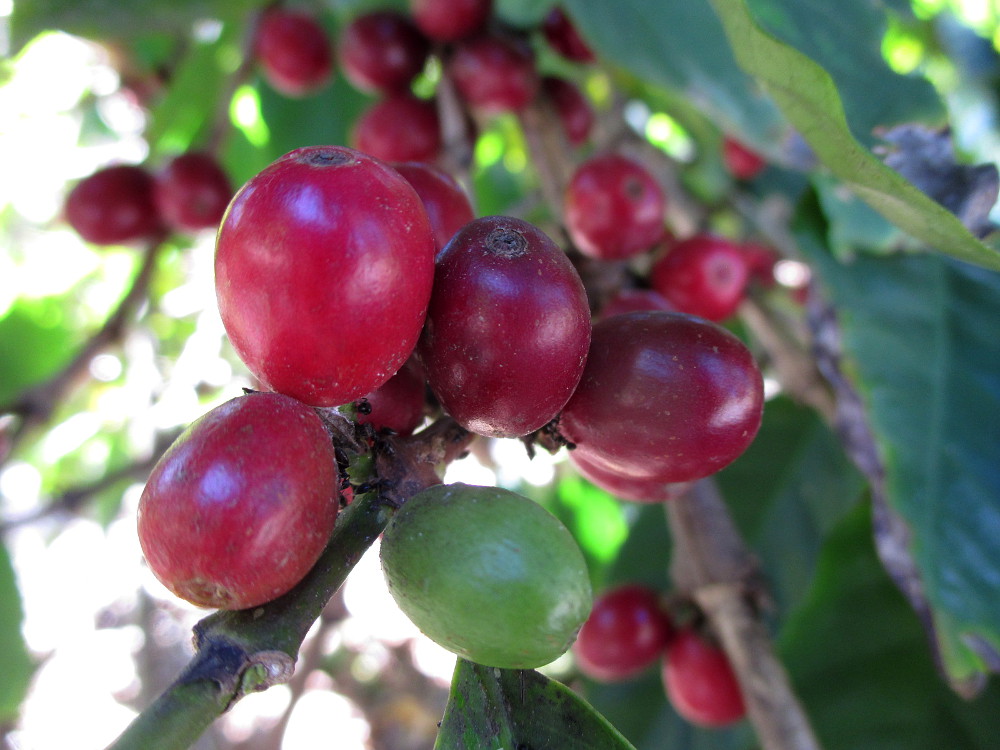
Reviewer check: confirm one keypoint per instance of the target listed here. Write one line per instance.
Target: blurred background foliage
(86, 637)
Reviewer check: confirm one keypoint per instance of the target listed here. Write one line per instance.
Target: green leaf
(15, 663)
(808, 97)
(919, 334)
(517, 709)
(36, 340)
(859, 660)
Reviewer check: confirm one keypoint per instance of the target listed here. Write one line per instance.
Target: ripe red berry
(192, 192)
(294, 51)
(575, 112)
(382, 51)
(625, 633)
(449, 20)
(761, 260)
(633, 489)
(564, 38)
(664, 396)
(636, 300)
(400, 127)
(447, 204)
(742, 163)
(324, 264)
(398, 404)
(114, 206)
(507, 330)
(614, 208)
(494, 74)
(240, 507)
(700, 683)
(703, 275)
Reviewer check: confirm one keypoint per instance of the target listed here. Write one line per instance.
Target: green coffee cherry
(487, 574)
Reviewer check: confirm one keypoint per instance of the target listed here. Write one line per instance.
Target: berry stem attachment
(712, 563)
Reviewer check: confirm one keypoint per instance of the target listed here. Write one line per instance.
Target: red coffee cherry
(703, 275)
(447, 204)
(507, 330)
(294, 52)
(240, 507)
(324, 264)
(625, 633)
(382, 51)
(192, 192)
(400, 127)
(614, 208)
(761, 260)
(575, 112)
(449, 20)
(398, 404)
(636, 300)
(494, 74)
(700, 682)
(664, 396)
(742, 163)
(633, 489)
(564, 38)
(114, 206)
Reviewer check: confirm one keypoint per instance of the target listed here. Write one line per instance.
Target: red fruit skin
(508, 328)
(324, 264)
(450, 20)
(494, 75)
(636, 300)
(447, 204)
(742, 163)
(560, 32)
(240, 507)
(761, 260)
(294, 52)
(382, 51)
(664, 396)
(700, 683)
(575, 112)
(703, 275)
(614, 208)
(398, 404)
(400, 127)
(633, 489)
(114, 206)
(192, 192)
(626, 632)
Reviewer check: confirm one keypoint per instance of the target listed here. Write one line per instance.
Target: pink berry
(450, 20)
(704, 276)
(114, 206)
(447, 204)
(294, 51)
(700, 682)
(382, 51)
(400, 127)
(575, 112)
(564, 38)
(494, 74)
(192, 192)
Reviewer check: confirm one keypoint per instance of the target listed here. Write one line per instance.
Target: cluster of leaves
(877, 533)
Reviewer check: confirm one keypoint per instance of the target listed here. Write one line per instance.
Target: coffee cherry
(192, 192)
(664, 396)
(626, 632)
(624, 487)
(507, 330)
(575, 112)
(398, 404)
(449, 20)
(700, 683)
(294, 52)
(614, 208)
(400, 127)
(240, 507)
(114, 206)
(560, 32)
(636, 300)
(446, 203)
(494, 74)
(382, 51)
(324, 264)
(742, 163)
(703, 275)
(487, 574)
(761, 260)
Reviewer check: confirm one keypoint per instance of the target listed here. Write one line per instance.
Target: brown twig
(712, 564)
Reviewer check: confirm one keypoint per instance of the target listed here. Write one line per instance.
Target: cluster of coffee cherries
(629, 630)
